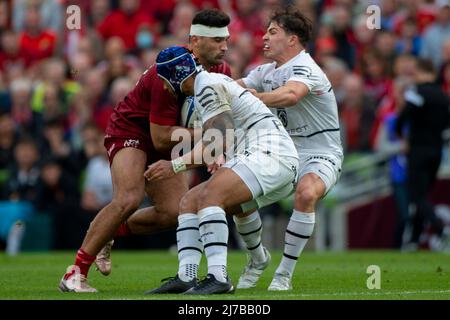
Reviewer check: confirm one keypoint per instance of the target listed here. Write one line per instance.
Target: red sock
(123, 230)
(84, 261)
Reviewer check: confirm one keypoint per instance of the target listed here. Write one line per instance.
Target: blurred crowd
(58, 85)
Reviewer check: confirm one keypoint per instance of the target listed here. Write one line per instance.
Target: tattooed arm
(208, 151)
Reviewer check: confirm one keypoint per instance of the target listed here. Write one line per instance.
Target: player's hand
(252, 91)
(218, 162)
(159, 170)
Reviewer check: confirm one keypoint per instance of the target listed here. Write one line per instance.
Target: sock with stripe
(83, 261)
(190, 246)
(250, 229)
(298, 232)
(214, 234)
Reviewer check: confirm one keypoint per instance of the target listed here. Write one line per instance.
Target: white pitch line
(335, 294)
(339, 294)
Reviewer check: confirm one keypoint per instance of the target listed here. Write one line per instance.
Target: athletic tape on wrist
(178, 165)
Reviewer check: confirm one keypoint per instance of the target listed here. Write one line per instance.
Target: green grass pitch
(422, 275)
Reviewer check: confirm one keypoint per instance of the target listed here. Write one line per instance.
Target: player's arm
(163, 137)
(213, 140)
(285, 96)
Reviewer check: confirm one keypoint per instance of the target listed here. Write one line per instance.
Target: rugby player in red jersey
(138, 134)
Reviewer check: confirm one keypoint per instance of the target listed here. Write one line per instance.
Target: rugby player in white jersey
(259, 168)
(299, 93)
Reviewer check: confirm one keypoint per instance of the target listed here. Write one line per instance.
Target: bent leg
(166, 195)
(128, 186)
(310, 189)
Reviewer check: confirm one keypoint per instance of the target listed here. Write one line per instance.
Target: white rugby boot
(75, 282)
(280, 282)
(253, 272)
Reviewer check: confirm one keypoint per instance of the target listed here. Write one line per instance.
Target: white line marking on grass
(238, 296)
(345, 294)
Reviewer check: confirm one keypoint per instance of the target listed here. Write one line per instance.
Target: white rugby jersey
(216, 93)
(313, 123)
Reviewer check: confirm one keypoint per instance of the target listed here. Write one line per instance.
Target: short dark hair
(211, 18)
(425, 65)
(293, 22)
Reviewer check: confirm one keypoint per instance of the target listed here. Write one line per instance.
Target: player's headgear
(176, 64)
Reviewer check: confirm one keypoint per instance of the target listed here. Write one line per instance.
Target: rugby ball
(189, 117)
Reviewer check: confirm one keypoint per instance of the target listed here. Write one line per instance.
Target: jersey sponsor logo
(133, 143)
(298, 130)
(282, 115)
(267, 81)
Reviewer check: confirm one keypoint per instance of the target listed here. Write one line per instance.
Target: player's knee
(188, 203)
(306, 196)
(127, 203)
(168, 208)
(207, 197)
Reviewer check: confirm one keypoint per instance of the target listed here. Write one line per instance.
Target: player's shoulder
(304, 65)
(148, 76)
(205, 78)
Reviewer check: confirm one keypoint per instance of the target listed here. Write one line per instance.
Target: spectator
(58, 196)
(20, 103)
(97, 189)
(385, 46)
(247, 19)
(36, 42)
(364, 37)
(389, 143)
(99, 10)
(54, 145)
(8, 138)
(436, 34)
(357, 112)
(80, 113)
(116, 63)
(125, 23)
(56, 85)
(426, 114)
(343, 34)
(80, 64)
(50, 12)
(375, 70)
(5, 14)
(179, 25)
(24, 172)
(11, 56)
(404, 66)
(119, 89)
(409, 41)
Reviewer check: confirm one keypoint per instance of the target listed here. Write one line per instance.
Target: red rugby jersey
(148, 102)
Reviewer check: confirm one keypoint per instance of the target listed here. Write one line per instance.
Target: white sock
(250, 229)
(190, 246)
(298, 232)
(214, 234)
